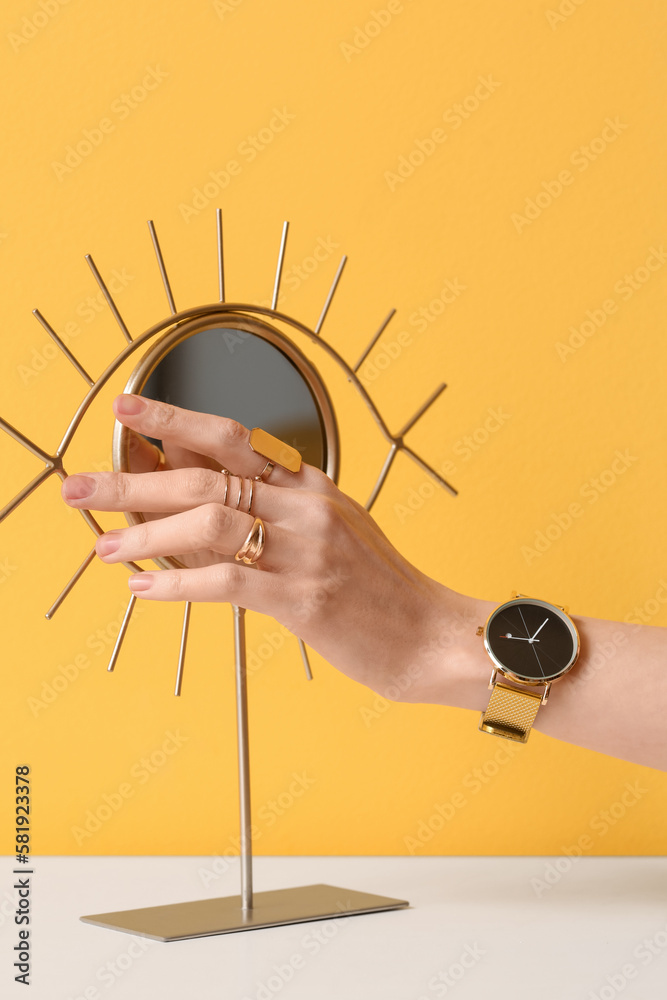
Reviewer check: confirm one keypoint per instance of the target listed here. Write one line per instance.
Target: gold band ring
(253, 546)
(268, 469)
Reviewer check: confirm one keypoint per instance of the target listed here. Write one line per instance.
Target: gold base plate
(224, 915)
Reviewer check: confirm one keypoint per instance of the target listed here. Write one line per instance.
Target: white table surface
(571, 940)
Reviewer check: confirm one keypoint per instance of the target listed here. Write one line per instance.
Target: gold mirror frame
(203, 918)
(232, 321)
(54, 462)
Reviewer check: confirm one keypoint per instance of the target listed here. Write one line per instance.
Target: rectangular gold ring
(274, 450)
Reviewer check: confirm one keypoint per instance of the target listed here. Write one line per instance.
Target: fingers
(210, 527)
(240, 585)
(143, 456)
(177, 490)
(146, 457)
(219, 438)
(162, 492)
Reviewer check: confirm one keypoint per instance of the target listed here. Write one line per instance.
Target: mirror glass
(240, 367)
(238, 374)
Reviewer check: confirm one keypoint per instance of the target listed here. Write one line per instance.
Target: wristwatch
(532, 644)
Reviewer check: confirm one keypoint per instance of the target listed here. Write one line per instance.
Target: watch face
(531, 640)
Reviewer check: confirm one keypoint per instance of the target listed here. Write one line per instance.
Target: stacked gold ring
(253, 546)
(242, 479)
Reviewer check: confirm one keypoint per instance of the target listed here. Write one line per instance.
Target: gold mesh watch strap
(510, 713)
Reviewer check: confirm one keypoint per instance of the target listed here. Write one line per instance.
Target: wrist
(450, 660)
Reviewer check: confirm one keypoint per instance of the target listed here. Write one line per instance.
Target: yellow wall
(561, 87)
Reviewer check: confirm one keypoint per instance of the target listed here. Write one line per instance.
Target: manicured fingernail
(140, 581)
(78, 487)
(107, 544)
(130, 405)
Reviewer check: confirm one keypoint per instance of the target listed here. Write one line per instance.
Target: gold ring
(161, 460)
(268, 469)
(253, 546)
(275, 451)
(249, 510)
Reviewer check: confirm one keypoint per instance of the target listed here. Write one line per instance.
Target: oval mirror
(239, 367)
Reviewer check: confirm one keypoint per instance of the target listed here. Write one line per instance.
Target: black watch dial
(531, 639)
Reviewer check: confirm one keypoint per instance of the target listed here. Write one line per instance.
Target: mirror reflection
(237, 367)
(237, 374)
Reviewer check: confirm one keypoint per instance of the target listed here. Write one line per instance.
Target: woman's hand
(331, 576)
(327, 572)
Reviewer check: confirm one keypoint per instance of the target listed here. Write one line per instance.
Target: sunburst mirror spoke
(241, 361)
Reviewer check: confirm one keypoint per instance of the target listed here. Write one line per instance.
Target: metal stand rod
(184, 645)
(244, 758)
(205, 917)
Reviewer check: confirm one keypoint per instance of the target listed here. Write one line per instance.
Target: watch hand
(541, 626)
(521, 637)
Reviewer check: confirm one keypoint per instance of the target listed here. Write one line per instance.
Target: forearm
(614, 700)
(350, 594)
